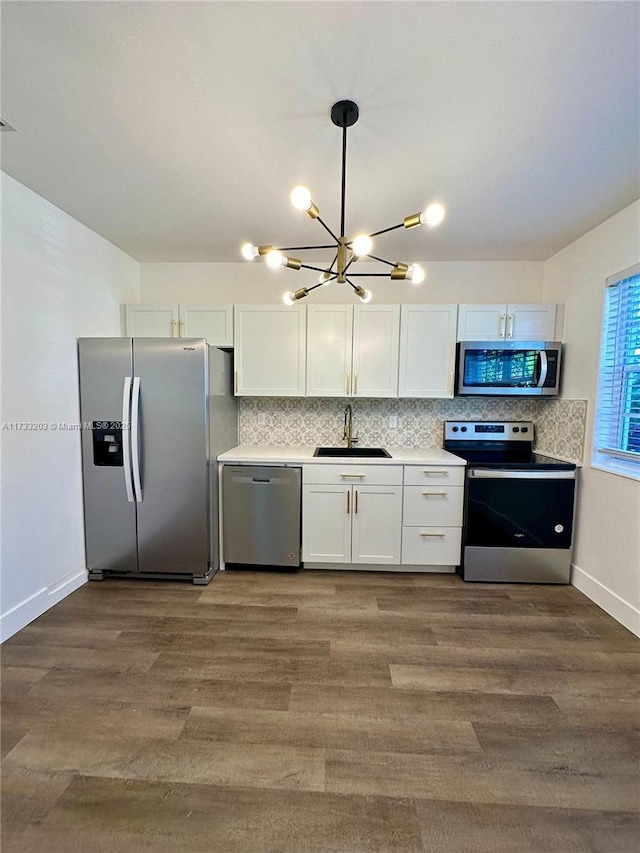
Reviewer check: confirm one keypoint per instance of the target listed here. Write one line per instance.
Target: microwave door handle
(135, 429)
(126, 433)
(544, 367)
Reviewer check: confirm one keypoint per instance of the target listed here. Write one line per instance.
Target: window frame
(613, 459)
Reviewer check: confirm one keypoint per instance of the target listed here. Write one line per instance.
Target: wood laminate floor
(321, 712)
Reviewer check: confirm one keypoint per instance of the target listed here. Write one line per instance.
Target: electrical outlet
(393, 422)
(261, 419)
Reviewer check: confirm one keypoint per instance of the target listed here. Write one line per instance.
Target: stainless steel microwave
(508, 368)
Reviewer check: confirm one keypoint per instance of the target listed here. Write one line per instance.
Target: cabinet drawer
(432, 505)
(349, 474)
(442, 475)
(431, 546)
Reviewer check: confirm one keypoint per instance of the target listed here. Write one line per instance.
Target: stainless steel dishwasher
(261, 515)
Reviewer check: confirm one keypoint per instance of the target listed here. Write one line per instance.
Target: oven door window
(500, 368)
(520, 513)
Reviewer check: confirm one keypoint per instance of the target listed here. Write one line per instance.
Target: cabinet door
(270, 349)
(213, 322)
(531, 322)
(376, 524)
(481, 322)
(152, 321)
(427, 350)
(329, 350)
(376, 335)
(326, 523)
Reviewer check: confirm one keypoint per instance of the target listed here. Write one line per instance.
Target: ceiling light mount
(344, 114)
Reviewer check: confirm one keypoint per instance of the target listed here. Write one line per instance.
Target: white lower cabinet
(363, 514)
(352, 514)
(429, 546)
(432, 515)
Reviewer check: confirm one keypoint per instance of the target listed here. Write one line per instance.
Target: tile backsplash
(560, 424)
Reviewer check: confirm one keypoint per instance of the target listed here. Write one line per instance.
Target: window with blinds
(617, 425)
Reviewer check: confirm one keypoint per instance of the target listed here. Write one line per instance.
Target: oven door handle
(530, 474)
(544, 367)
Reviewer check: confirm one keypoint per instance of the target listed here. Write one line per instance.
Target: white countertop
(284, 455)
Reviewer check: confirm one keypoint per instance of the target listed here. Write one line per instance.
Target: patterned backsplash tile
(560, 424)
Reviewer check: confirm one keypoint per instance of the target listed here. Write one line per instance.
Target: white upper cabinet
(511, 322)
(352, 350)
(213, 322)
(427, 350)
(376, 337)
(329, 350)
(270, 348)
(152, 321)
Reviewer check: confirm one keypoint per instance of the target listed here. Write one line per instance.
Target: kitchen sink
(356, 452)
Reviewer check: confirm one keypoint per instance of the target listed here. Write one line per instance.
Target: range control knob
(463, 429)
(525, 429)
(516, 429)
(455, 429)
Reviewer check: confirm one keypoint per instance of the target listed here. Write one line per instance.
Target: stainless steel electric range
(519, 505)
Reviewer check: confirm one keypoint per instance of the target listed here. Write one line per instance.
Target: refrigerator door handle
(135, 429)
(126, 453)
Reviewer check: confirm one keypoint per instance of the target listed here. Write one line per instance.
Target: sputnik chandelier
(344, 114)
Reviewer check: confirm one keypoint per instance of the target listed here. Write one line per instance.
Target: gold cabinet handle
(358, 476)
(236, 382)
(174, 328)
(355, 382)
(356, 501)
(503, 323)
(438, 535)
(182, 328)
(510, 326)
(435, 494)
(348, 501)
(347, 384)
(428, 472)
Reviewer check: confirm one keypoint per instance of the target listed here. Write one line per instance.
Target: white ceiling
(176, 130)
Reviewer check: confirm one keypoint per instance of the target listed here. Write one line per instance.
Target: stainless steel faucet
(348, 435)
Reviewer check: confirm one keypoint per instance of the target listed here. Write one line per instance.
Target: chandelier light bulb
(361, 245)
(416, 274)
(249, 251)
(275, 259)
(433, 215)
(301, 198)
(366, 297)
(289, 298)
(324, 278)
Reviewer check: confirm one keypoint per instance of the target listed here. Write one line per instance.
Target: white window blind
(617, 426)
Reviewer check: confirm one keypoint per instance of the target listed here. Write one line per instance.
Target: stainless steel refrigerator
(156, 412)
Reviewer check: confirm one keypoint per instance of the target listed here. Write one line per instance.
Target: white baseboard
(608, 600)
(22, 614)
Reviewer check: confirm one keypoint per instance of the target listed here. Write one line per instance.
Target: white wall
(447, 281)
(60, 281)
(607, 552)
